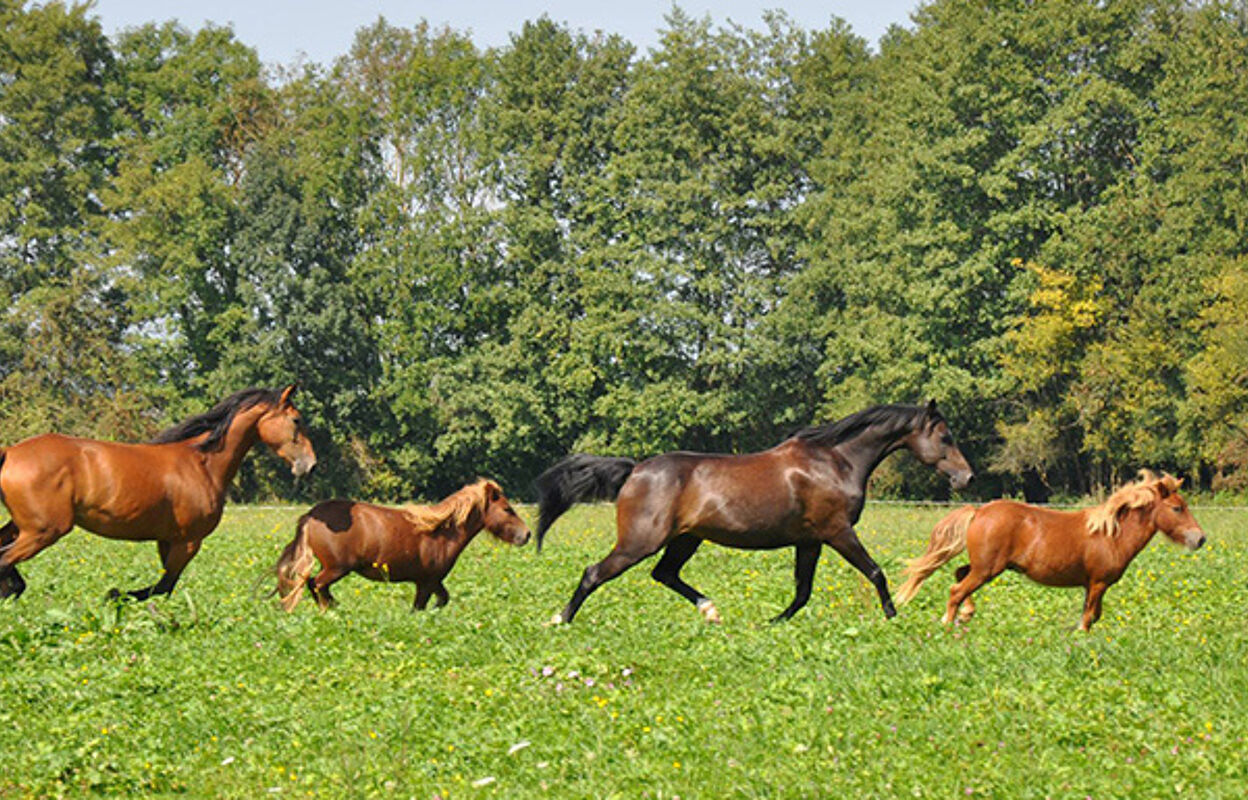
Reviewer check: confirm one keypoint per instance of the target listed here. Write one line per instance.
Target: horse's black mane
(896, 418)
(216, 420)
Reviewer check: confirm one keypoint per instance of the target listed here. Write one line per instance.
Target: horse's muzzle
(1194, 539)
(302, 466)
(961, 479)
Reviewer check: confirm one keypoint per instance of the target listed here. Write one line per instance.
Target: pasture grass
(214, 692)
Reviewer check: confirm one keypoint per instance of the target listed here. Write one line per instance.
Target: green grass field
(215, 693)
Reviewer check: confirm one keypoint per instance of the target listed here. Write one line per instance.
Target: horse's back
(1034, 539)
(351, 532)
(751, 500)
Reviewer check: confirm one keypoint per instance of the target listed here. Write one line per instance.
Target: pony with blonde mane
(412, 544)
(1089, 548)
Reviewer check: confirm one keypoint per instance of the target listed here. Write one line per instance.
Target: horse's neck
(460, 536)
(1135, 531)
(865, 451)
(223, 464)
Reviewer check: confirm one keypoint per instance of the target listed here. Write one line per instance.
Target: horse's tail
(948, 539)
(294, 567)
(575, 479)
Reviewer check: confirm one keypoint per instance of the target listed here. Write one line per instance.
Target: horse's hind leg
(804, 576)
(596, 575)
(319, 585)
(667, 572)
(970, 580)
(11, 583)
(17, 546)
(967, 609)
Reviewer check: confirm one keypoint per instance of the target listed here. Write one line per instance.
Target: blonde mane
(455, 508)
(1145, 491)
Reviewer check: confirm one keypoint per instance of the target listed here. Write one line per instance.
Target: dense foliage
(475, 261)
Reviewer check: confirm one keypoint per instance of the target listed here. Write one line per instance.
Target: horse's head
(931, 441)
(281, 428)
(1172, 516)
(500, 519)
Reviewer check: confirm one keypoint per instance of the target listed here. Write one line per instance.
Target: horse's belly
(1069, 576)
(747, 540)
(134, 527)
(161, 522)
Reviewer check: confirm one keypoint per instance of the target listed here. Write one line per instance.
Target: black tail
(577, 478)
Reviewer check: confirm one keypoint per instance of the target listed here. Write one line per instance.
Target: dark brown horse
(804, 493)
(1089, 548)
(171, 490)
(414, 544)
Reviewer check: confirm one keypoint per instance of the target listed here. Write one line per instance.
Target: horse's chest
(853, 506)
(832, 512)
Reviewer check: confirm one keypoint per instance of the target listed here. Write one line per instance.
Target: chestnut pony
(803, 493)
(1089, 548)
(171, 490)
(414, 544)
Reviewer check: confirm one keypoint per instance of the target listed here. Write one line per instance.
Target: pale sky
(322, 30)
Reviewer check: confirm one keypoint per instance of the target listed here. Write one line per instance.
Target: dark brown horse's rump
(415, 544)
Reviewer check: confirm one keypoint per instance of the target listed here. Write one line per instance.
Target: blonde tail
(948, 539)
(294, 567)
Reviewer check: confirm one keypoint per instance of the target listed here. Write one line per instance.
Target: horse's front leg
(846, 543)
(424, 590)
(804, 576)
(174, 556)
(1092, 604)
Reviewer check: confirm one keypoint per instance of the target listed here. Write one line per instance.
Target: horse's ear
(287, 393)
(930, 413)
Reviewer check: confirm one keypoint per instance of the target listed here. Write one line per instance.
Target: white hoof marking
(709, 612)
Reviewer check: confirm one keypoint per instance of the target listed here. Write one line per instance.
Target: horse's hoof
(113, 595)
(555, 620)
(709, 612)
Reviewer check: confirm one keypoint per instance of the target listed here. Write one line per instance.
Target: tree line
(475, 261)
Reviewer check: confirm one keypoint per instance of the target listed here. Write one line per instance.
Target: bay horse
(1089, 548)
(803, 493)
(170, 490)
(413, 544)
